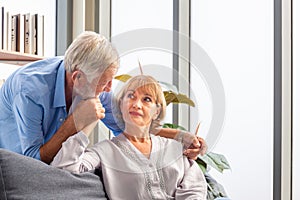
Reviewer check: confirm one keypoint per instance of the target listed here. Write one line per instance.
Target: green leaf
(202, 165)
(172, 97)
(214, 189)
(174, 126)
(217, 161)
(123, 77)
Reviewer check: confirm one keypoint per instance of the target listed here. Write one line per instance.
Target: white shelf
(17, 58)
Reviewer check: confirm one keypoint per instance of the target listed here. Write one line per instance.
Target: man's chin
(85, 93)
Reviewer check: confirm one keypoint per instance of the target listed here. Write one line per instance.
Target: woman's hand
(89, 128)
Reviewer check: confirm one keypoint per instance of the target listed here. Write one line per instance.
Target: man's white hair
(91, 53)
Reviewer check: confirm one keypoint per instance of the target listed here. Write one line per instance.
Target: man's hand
(197, 147)
(193, 144)
(87, 112)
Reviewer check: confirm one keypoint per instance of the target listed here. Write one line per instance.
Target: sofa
(25, 178)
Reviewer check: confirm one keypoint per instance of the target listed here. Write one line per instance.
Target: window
(240, 45)
(137, 20)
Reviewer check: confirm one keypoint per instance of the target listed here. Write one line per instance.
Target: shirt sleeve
(74, 155)
(193, 184)
(109, 120)
(28, 116)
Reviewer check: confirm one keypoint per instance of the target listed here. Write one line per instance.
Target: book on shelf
(34, 34)
(27, 33)
(40, 34)
(8, 31)
(17, 34)
(4, 28)
(37, 28)
(14, 21)
(20, 33)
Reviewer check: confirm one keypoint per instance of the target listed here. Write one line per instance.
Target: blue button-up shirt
(33, 106)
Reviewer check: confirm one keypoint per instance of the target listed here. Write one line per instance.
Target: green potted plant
(210, 159)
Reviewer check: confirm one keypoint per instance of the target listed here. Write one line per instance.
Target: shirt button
(150, 165)
(61, 119)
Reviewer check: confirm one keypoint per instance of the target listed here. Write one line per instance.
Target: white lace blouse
(128, 174)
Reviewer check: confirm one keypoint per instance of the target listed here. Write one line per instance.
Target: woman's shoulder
(111, 144)
(167, 145)
(164, 140)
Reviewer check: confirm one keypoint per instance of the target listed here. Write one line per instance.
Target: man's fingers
(88, 111)
(196, 143)
(192, 153)
(198, 147)
(203, 146)
(100, 110)
(100, 113)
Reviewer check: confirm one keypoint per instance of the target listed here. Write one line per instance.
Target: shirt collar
(59, 93)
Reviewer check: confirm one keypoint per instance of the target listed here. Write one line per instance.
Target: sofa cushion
(23, 177)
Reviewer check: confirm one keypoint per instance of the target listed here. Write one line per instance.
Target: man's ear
(76, 74)
(76, 77)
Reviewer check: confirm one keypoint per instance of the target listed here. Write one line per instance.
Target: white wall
(296, 99)
(238, 37)
(43, 7)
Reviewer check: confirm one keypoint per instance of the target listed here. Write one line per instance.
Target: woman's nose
(137, 104)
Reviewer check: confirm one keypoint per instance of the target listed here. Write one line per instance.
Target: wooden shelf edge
(16, 56)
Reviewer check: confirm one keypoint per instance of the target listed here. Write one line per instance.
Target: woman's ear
(121, 105)
(157, 112)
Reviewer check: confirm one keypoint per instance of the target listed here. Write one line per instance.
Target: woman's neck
(137, 133)
(140, 139)
(134, 138)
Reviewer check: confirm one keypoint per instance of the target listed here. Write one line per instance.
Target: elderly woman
(137, 164)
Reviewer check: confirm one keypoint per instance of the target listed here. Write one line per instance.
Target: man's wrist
(179, 137)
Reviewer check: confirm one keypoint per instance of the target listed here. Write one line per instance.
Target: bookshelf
(17, 58)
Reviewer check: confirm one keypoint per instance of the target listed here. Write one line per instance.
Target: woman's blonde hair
(150, 86)
(91, 53)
